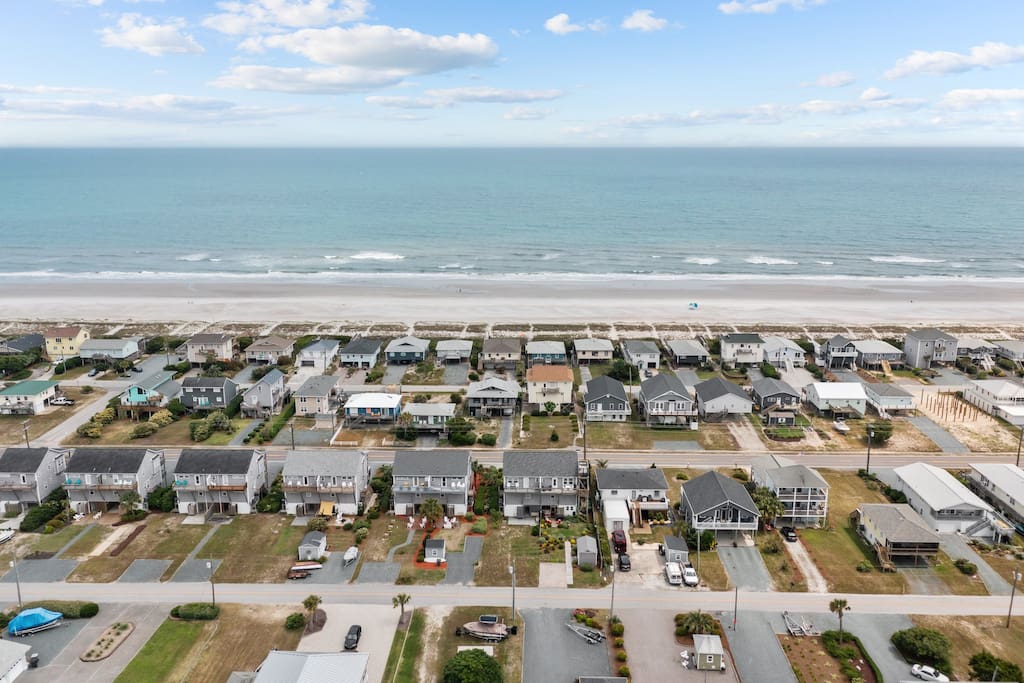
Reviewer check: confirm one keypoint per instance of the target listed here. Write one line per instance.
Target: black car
(135, 369)
(788, 533)
(355, 632)
(624, 564)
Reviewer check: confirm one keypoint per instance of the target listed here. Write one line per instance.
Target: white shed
(313, 546)
(616, 515)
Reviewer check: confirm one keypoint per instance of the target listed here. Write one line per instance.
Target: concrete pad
(300, 521)
(41, 571)
(379, 623)
(546, 633)
(552, 575)
(379, 572)
(144, 571)
(462, 565)
(192, 571)
(194, 520)
(334, 571)
(755, 648)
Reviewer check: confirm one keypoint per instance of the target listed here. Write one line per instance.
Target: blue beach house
(546, 353)
(373, 407)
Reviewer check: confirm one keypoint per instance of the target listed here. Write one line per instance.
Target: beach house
(542, 484)
(837, 398)
(109, 350)
(444, 475)
(1011, 349)
(1003, 398)
(492, 397)
(227, 481)
(875, 353)
(923, 348)
(361, 352)
(267, 397)
(801, 490)
(207, 393)
(318, 356)
(946, 505)
(546, 353)
(591, 350)
(373, 407)
(149, 395)
(454, 350)
(207, 348)
(28, 475)
(267, 350)
(687, 352)
(895, 532)
(840, 352)
(742, 349)
(64, 342)
(714, 502)
(23, 345)
(783, 353)
(664, 400)
(430, 417)
(501, 353)
(317, 396)
(97, 477)
(606, 400)
(976, 350)
(774, 393)
(999, 483)
(718, 398)
(281, 666)
(325, 482)
(888, 399)
(549, 384)
(642, 354)
(629, 495)
(406, 350)
(30, 397)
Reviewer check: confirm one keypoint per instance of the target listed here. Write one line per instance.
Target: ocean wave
(825, 263)
(909, 260)
(551, 256)
(331, 257)
(193, 258)
(703, 260)
(456, 266)
(376, 256)
(770, 261)
(960, 265)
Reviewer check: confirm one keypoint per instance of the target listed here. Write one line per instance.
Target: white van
(674, 573)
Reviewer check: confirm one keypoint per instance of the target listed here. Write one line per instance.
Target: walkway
(387, 571)
(956, 547)
(239, 438)
(943, 439)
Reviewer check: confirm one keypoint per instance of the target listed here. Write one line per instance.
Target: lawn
(508, 652)
(838, 549)
(433, 375)
(174, 434)
(541, 428)
(256, 548)
(971, 635)
(711, 570)
(88, 541)
(408, 572)
(786, 575)
(405, 647)
(638, 436)
(501, 543)
(385, 533)
(364, 438)
(12, 434)
(956, 581)
(162, 652)
(51, 543)
(164, 538)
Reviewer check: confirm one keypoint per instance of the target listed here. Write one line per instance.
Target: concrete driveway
(648, 569)
(956, 547)
(745, 567)
(393, 374)
(546, 633)
(755, 648)
(874, 631)
(689, 378)
(462, 565)
(379, 623)
(506, 432)
(943, 439)
(457, 373)
(798, 378)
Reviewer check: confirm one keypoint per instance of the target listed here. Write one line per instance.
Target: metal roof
(886, 389)
(30, 387)
(502, 345)
(545, 347)
(930, 334)
(768, 386)
(104, 344)
(491, 387)
(633, 478)
(400, 344)
(555, 463)
(716, 387)
(429, 463)
(454, 345)
(686, 347)
(592, 344)
(898, 523)
(1006, 477)
(937, 487)
(282, 666)
(839, 391)
(706, 644)
(424, 409)
(321, 347)
(373, 400)
(875, 346)
(711, 489)
(329, 462)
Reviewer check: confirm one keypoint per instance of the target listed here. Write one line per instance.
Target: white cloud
(561, 25)
(407, 102)
(47, 89)
(966, 98)
(162, 107)
(836, 79)
(448, 97)
(333, 80)
(136, 32)
(874, 94)
(764, 6)
(255, 16)
(985, 56)
(644, 20)
(526, 114)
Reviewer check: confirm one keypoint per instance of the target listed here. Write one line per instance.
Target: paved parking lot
(144, 571)
(545, 634)
(41, 571)
(379, 623)
(462, 566)
(745, 567)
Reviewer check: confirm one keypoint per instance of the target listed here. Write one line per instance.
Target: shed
(13, 660)
(676, 550)
(710, 656)
(616, 514)
(313, 546)
(433, 550)
(586, 551)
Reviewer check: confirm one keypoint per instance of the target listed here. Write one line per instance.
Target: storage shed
(586, 551)
(676, 550)
(710, 656)
(433, 550)
(313, 546)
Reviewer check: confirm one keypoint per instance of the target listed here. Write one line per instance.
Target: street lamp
(213, 592)
(17, 578)
(1013, 591)
(871, 435)
(512, 571)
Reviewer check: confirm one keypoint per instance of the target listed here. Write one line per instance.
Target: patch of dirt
(434, 622)
(976, 430)
(118, 535)
(316, 623)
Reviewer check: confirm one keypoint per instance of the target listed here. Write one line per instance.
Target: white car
(690, 577)
(62, 401)
(927, 673)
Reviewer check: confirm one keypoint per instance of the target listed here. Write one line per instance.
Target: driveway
(798, 378)
(689, 378)
(924, 580)
(546, 633)
(462, 566)
(745, 567)
(41, 571)
(379, 623)
(244, 376)
(943, 439)
(144, 571)
(816, 583)
(505, 435)
(745, 434)
(456, 374)
(948, 377)
(756, 650)
(585, 375)
(393, 374)
(239, 438)
(334, 570)
(874, 631)
(956, 547)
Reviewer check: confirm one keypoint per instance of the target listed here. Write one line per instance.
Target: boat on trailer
(34, 620)
(592, 636)
(488, 627)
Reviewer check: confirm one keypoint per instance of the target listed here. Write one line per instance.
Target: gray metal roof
(324, 462)
(283, 666)
(362, 346)
(194, 382)
(711, 489)
(936, 487)
(271, 377)
(635, 346)
(318, 385)
(606, 386)
(706, 644)
(102, 460)
(426, 409)
(214, 461)
(556, 463)
(423, 463)
(592, 344)
(713, 388)
(271, 343)
(839, 340)
(886, 389)
(586, 544)
(768, 386)
(614, 478)
(742, 338)
(208, 338)
(898, 522)
(99, 344)
(502, 345)
(321, 347)
(22, 460)
(930, 334)
(545, 347)
(402, 343)
(491, 387)
(454, 345)
(153, 381)
(686, 347)
(661, 384)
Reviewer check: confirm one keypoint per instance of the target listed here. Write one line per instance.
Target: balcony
(347, 487)
(226, 487)
(16, 486)
(80, 484)
(431, 488)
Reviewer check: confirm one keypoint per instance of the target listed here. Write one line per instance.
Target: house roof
(502, 345)
(313, 538)
(434, 544)
(318, 385)
(675, 543)
(606, 386)
(773, 342)
(686, 347)
(454, 345)
(423, 463)
(637, 346)
(768, 386)
(424, 409)
(586, 544)
(103, 344)
(661, 384)
(937, 487)
(321, 347)
(716, 387)
(545, 347)
(209, 339)
(898, 522)
(271, 343)
(875, 346)
(615, 478)
(361, 346)
(195, 382)
(151, 382)
(69, 331)
(102, 459)
(23, 460)
(973, 343)
(26, 342)
(930, 334)
(30, 387)
(742, 338)
(491, 387)
(557, 463)
(373, 400)
(404, 343)
(706, 644)
(282, 666)
(839, 340)
(549, 373)
(785, 473)
(214, 461)
(839, 391)
(886, 389)
(271, 377)
(1012, 345)
(11, 654)
(1000, 388)
(592, 344)
(711, 489)
(325, 462)
(1006, 477)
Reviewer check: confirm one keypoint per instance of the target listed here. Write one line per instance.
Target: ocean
(513, 213)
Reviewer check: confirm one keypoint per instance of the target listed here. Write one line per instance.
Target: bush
(372, 514)
(624, 671)
(317, 523)
(199, 430)
(462, 438)
(488, 439)
(162, 418)
(142, 430)
(966, 567)
(864, 567)
(133, 515)
(470, 515)
(40, 514)
(617, 628)
(176, 408)
(161, 499)
(480, 526)
(295, 621)
(473, 377)
(361, 535)
(87, 389)
(472, 666)
(586, 567)
(621, 655)
(740, 474)
(347, 526)
(772, 546)
(924, 646)
(984, 666)
(681, 476)
(455, 397)
(71, 609)
(554, 437)
(197, 611)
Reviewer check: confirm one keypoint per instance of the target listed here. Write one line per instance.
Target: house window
(615, 493)
(24, 479)
(197, 480)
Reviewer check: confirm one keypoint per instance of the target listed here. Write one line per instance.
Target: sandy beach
(407, 300)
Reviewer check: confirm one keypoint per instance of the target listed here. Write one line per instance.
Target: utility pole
(1019, 439)
(24, 430)
(735, 607)
(512, 571)
(291, 429)
(1013, 591)
(213, 592)
(611, 610)
(17, 577)
(871, 434)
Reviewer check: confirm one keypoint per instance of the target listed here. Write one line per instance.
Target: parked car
(624, 563)
(298, 574)
(788, 533)
(355, 632)
(690, 577)
(619, 541)
(136, 369)
(94, 372)
(673, 573)
(928, 673)
(62, 401)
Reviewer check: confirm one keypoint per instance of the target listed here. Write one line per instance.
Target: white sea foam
(376, 256)
(192, 258)
(909, 260)
(825, 263)
(770, 261)
(215, 260)
(702, 260)
(550, 256)
(331, 257)
(457, 266)
(960, 265)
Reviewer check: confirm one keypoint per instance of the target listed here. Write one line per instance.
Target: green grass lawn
(957, 582)
(638, 436)
(89, 540)
(786, 575)
(712, 572)
(162, 653)
(254, 548)
(405, 649)
(175, 434)
(51, 543)
(502, 542)
(539, 436)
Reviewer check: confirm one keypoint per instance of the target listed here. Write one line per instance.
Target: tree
(311, 604)
(550, 407)
(472, 666)
(985, 666)
(400, 601)
(924, 645)
(622, 371)
(432, 510)
(839, 607)
(768, 504)
(697, 622)
(882, 432)
(130, 500)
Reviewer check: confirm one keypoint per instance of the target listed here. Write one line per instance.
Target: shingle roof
(711, 489)
(326, 462)
(321, 347)
(768, 386)
(271, 343)
(930, 334)
(838, 340)
(70, 331)
(586, 544)
(686, 347)
(454, 345)
(593, 344)
(28, 388)
(606, 386)
(106, 460)
(318, 385)
(635, 346)
(362, 346)
(742, 338)
(786, 473)
(556, 463)
(661, 384)
(421, 463)
(937, 487)
(717, 387)
(209, 339)
(609, 478)
(271, 377)
(26, 343)
(545, 347)
(502, 345)
(675, 543)
(194, 382)
(313, 538)
(22, 460)
(214, 461)
(492, 386)
(898, 523)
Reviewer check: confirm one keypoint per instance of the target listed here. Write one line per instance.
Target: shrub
(864, 567)
(317, 523)
(87, 389)
(105, 416)
(295, 621)
(618, 628)
(624, 671)
(740, 474)
(586, 567)
(462, 438)
(455, 397)
(472, 666)
(554, 436)
(923, 645)
(162, 418)
(71, 609)
(488, 439)
(133, 515)
(197, 611)
(142, 430)
(361, 535)
(681, 631)
(681, 476)
(473, 377)
(347, 526)
(90, 430)
(619, 642)
(161, 499)
(176, 408)
(88, 610)
(966, 567)
(470, 515)
(480, 526)
(984, 666)
(39, 515)
(372, 514)
(621, 655)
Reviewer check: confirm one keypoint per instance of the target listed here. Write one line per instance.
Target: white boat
(6, 535)
(307, 565)
(350, 555)
(841, 427)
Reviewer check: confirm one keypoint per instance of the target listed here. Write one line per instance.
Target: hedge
(270, 430)
(830, 639)
(71, 609)
(196, 611)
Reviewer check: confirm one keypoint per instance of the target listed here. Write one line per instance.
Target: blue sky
(485, 73)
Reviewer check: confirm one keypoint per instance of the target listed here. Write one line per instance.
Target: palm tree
(698, 622)
(432, 510)
(601, 463)
(129, 499)
(311, 603)
(839, 607)
(768, 504)
(400, 601)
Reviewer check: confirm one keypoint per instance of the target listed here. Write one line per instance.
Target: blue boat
(34, 620)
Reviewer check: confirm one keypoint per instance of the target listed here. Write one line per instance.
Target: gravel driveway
(546, 634)
(393, 374)
(745, 567)
(816, 583)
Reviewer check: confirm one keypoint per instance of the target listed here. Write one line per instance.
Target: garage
(616, 515)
